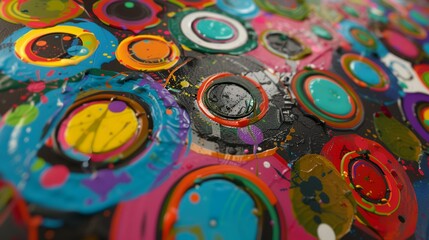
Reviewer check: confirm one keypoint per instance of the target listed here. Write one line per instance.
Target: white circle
(267, 164)
(186, 27)
(325, 232)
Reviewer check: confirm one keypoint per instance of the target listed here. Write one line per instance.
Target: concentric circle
(58, 52)
(379, 184)
(212, 32)
(414, 106)
(134, 15)
(39, 14)
(407, 26)
(40, 46)
(364, 72)
(97, 143)
(375, 188)
(361, 39)
(328, 97)
(104, 128)
(283, 45)
(147, 53)
(210, 188)
(232, 100)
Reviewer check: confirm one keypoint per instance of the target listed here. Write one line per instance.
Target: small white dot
(325, 232)
(267, 164)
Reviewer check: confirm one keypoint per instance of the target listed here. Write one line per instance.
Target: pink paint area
(321, 49)
(131, 215)
(36, 87)
(401, 43)
(54, 176)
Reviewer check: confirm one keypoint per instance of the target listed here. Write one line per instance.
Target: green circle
(129, 4)
(351, 11)
(22, 115)
(321, 32)
(408, 25)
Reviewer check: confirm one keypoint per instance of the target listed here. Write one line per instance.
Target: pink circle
(401, 43)
(36, 87)
(54, 176)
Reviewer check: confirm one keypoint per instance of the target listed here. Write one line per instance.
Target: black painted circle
(230, 100)
(55, 45)
(284, 44)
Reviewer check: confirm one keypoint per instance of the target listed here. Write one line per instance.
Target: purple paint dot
(251, 135)
(117, 106)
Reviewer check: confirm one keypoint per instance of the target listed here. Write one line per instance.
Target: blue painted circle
(223, 210)
(365, 72)
(105, 187)
(330, 97)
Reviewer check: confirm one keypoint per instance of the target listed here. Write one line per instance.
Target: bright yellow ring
(124, 57)
(88, 39)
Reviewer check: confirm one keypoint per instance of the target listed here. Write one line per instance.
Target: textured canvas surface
(204, 119)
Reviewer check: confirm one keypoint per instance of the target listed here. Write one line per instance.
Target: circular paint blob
(117, 106)
(330, 97)
(215, 29)
(351, 11)
(54, 176)
(419, 17)
(36, 87)
(113, 129)
(325, 232)
(365, 72)
(22, 115)
(368, 180)
(400, 43)
(147, 53)
(150, 50)
(230, 100)
(321, 32)
(402, 141)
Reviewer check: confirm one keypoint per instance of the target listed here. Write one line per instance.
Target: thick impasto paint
(214, 119)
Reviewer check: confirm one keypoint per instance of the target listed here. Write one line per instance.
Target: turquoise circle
(214, 29)
(365, 72)
(321, 32)
(419, 18)
(330, 97)
(222, 212)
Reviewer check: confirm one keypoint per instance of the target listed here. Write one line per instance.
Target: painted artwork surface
(205, 119)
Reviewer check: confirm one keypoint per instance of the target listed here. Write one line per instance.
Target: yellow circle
(88, 39)
(96, 129)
